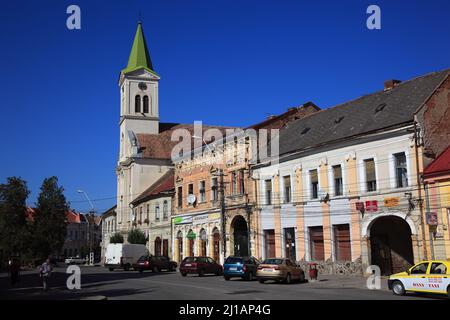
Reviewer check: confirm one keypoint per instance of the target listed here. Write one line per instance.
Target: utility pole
(222, 214)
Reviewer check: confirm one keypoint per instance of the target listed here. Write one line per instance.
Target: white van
(119, 255)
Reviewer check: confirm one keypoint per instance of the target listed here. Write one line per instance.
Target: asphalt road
(98, 282)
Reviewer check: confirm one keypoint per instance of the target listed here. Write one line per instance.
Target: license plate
(188, 265)
(268, 269)
(233, 268)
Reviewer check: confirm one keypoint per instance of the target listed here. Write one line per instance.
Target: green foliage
(116, 238)
(14, 231)
(50, 219)
(136, 236)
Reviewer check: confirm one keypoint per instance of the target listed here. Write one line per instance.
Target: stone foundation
(346, 268)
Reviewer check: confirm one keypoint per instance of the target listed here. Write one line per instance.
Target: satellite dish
(191, 199)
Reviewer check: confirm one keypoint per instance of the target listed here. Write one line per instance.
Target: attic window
(380, 107)
(305, 130)
(338, 120)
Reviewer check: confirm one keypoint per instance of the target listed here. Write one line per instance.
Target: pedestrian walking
(45, 271)
(14, 270)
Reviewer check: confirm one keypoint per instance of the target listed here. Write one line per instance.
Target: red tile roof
(71, 216)
(159, 146)
(163, 185)
(439, 165)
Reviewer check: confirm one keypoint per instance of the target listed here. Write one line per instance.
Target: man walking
(14, 270)
(44, 272)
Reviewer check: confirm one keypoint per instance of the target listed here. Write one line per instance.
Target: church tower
(138, 84)
(139, 115)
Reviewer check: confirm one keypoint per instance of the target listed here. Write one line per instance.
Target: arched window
(157, 212)
(165, 209)
(137, 104)
(145, 104)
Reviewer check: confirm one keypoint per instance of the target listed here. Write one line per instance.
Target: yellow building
(436, 177)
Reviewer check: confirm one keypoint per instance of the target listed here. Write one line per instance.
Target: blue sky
(222, 62)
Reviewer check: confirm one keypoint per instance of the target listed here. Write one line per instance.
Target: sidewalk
(338, 281)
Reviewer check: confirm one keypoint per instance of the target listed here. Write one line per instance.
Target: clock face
(142, 86)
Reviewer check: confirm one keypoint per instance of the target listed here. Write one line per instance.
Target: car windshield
(233, 260)
(273, 261)
(143, 258)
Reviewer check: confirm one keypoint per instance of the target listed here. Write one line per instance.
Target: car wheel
(398, 288)
(170, 269)
(126, 268)
(250, 276)
(111, 269)
(301, 279)
(227, 278)
(218, 272)
(261, 280)
(141, 270)
(155, 269)
(288, 279)
(183, 274)
(201, 273)
(448, 292)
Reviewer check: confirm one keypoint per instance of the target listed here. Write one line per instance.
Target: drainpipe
(427, 201)
(416, 145)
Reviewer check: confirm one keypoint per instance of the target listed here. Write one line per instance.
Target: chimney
(390, 84)
(271, 117)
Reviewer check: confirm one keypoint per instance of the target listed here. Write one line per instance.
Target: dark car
(200, 266)
(242, 267)
(154, 263)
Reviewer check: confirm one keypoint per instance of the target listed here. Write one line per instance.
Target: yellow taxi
(426, 276)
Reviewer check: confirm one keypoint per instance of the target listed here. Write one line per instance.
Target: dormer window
(137, 104)
(145, 104)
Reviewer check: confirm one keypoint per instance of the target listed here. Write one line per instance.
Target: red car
(200, 266)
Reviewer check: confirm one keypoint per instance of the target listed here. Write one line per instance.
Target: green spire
(139, 56)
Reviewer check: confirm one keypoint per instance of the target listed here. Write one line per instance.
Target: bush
(136, 236)
(116, 238)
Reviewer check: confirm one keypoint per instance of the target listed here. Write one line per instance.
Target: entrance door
(216, 245)
(165, 248)
(158, 246)
(391, 245)
(191, 247)
(180, 249)
(240, 236)
(289, 237)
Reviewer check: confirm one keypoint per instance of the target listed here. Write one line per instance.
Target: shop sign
(360, 206)
(432, 218)
(214, 216)
(191, 235)
(200, 219)
(372, 206)
(391, 202)
(182, 220)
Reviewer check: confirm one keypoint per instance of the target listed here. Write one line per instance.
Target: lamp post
(91, 212)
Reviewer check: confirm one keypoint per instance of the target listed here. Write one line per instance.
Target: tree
(136, 236)
(116, 238)
(50, 225)
(14, 234)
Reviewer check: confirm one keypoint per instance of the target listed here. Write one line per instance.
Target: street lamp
(92, 212)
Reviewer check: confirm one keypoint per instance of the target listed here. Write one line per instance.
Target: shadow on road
(29, 286)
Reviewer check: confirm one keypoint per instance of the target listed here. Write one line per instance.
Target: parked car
(154, 263)
(200, 266)
(279, 269)
(73, 260)
(120, 255)
(242, 267)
